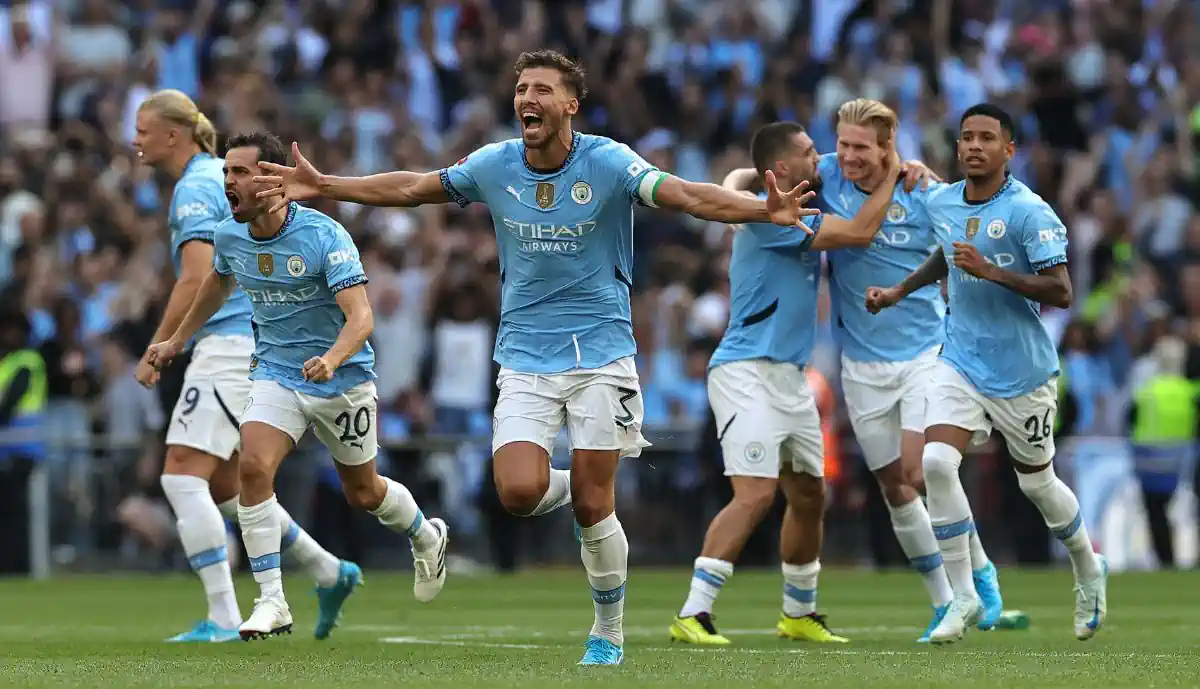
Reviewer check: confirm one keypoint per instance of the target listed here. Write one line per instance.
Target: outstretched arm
(718, 204)
(305, 181)
(395, 189)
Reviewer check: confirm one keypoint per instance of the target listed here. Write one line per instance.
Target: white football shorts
(1026, 422)
(602, 408)
(763, 410)
(883, 399)
(345, 424)
(215, 387)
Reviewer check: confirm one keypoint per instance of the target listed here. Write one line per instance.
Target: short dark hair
(770, 141)
(994, 112)
(572, 72)
(270, 148)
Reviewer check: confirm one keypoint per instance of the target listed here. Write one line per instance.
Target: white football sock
(399, 512)
(262, 534)
(950, 513)
(605, 554)
(979, 558)
(915, 533)
(1060, 509)
(800, 588)
(202, 533)
(322, 565)
(557, 494)
(708, 576)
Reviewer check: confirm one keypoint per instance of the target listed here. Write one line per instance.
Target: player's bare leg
(953, 523)
(603, 549)
(335, 579)
(800, 549)
(723, 543)
(393, 505)
(528, 486)
(190, 480)
(1060, 509)
(263, 448)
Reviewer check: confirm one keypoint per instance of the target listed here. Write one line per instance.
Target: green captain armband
(648, 187)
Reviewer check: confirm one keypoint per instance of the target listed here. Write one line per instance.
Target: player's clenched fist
(160, 354)
(880, 298)
(318, 370)
(968, 259)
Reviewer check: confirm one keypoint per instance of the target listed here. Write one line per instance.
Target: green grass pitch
(527, 631)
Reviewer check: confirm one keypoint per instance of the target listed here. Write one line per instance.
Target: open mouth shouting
(531, 122)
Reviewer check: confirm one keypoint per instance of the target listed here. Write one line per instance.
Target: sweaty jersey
(566, 248)
(773, 281)
(903, 242)
(994, 336)
(291, 280)
(198, 204)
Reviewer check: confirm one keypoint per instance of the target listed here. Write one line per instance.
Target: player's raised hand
(787, 208)
(880, 298)
(968, 259)
(917, 173)
(318, 370)
(298, 183)
(160, 354)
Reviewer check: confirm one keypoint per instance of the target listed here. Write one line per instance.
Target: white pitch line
(479, 632)
(447, 642)
(410, 640)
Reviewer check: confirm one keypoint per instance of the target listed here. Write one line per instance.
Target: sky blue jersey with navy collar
(566, 248)
(994, 336)
(292, 281)
(198, 204)
(773, 283)
(904, 241)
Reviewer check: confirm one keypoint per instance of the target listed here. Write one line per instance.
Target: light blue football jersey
(994, 336)
(566, 249)
(903, 242)
(197, 205)
(773, 282)
(291, 280)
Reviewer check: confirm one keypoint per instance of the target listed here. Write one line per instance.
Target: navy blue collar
(1008, 181)
(560, 168)
(291, 215)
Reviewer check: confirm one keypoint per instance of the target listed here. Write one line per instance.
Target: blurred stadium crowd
(1106, 93)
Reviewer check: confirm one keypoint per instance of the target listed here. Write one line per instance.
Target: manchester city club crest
(895, 213)
(544, 194)
(996, 228)
(266, 264)
(296, 266)
(581, 192)
(972, 227)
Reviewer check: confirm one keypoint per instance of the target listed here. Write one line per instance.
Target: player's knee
(940, 463)
(896, 483)
(186, 461)
(1036, 480)
(255, 470)
(521, 495)
(753, 497)
(806, 495)
(364, 495)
